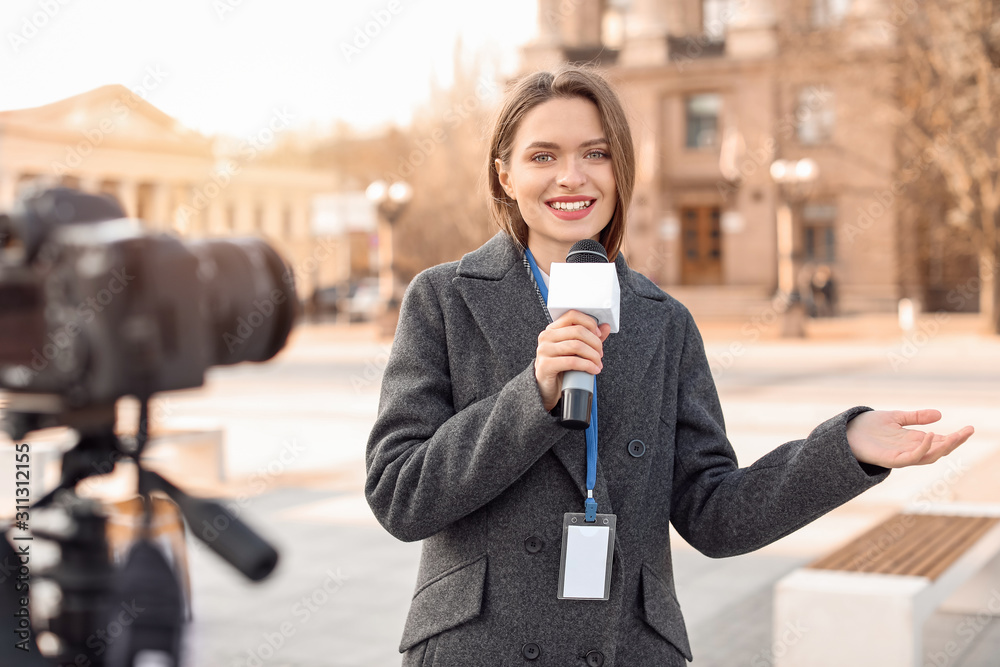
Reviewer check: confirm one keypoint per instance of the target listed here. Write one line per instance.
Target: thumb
(916, 417)
(605, 331)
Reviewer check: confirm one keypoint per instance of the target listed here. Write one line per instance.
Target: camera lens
(249, 296)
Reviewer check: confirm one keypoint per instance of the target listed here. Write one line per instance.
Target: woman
(468, 455)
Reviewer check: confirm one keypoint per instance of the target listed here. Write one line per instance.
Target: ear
(504, 177)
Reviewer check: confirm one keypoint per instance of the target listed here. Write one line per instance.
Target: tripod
(143, 597)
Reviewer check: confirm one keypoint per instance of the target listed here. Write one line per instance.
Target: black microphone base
(576, 408)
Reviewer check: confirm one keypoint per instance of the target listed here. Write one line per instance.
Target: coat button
(530, 651)
(595, 659)
(533, 545)
(637, 448)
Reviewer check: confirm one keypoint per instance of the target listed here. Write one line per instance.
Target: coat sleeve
(724, 510)
(429, 465)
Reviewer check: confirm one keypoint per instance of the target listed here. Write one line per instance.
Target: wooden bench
(866, 603)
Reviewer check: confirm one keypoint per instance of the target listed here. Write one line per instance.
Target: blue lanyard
(590, 505)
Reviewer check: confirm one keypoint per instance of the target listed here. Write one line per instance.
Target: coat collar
(495, 258)
(501, 298)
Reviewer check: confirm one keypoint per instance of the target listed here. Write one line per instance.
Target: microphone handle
(577, 393)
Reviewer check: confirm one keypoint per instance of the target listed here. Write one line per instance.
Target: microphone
(587, 282)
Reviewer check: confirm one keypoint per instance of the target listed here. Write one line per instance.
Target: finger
(952, 441)
(916, 417)
(559, 365)
(571, 333)
(572, 317)
(571, 349)
(605, 331)
(918, 454)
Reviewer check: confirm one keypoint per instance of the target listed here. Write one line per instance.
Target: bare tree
(948, 111)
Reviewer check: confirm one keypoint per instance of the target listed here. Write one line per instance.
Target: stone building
(111, 140)
(718, 91)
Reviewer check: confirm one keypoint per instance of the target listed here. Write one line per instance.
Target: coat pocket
(446, 601)
(663, 613)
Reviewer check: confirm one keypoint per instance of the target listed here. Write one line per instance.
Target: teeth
(571, 206)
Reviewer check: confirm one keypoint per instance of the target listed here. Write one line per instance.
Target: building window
(815, 115)
(819, 227)
(715, 16)
(828, 13)
(703, 120)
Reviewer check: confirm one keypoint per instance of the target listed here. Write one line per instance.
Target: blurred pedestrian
(824, 291)
(467, 452)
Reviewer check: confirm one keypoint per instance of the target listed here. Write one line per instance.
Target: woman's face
(560, 173)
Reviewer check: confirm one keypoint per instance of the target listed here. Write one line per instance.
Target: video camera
(94, 308)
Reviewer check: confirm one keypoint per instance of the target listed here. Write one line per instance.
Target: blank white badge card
(587, 549)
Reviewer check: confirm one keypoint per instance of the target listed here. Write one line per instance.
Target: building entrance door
(701, 245)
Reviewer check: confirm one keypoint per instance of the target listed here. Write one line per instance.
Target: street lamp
(793, 178)
(390, 201)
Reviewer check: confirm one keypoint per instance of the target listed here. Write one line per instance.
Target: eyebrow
(551, 146)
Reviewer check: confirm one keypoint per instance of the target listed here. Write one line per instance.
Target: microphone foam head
(587, 251)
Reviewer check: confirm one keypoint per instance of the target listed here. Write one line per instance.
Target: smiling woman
(468, 454)
(564, 184)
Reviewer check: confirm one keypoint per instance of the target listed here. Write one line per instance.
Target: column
(8, 189)
(128, 195)
(183, 218)
(159, 209)
(645, 34)
(90, 183)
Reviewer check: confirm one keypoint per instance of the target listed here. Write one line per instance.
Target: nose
(572, 174)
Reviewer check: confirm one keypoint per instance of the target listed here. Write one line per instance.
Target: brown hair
(566, 82)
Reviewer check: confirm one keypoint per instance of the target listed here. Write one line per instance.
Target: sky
(225, 66)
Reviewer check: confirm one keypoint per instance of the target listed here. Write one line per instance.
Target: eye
(597, 154)
(542, 157)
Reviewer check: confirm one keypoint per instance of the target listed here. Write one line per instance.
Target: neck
(547, 252)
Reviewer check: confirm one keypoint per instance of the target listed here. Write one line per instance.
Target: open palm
(880, 437)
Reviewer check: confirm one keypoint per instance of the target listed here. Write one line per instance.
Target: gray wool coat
(464, 456)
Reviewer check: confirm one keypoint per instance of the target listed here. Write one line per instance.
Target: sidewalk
(341, 591)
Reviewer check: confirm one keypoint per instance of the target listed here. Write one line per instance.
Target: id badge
(585, 564)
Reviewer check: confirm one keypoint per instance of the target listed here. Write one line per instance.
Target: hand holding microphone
(574, 342)
(584, 299)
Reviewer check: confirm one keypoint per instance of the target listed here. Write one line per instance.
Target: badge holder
(585, 564)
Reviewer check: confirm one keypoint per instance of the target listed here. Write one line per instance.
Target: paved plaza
(294, 459)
